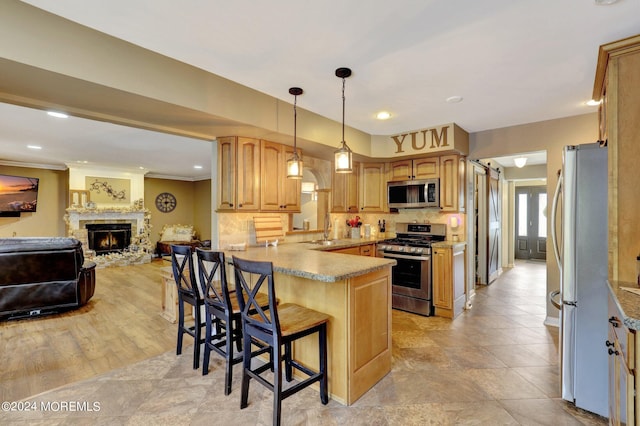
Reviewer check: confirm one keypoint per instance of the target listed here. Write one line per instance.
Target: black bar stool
(278, 326)
(184, 274)
(222, 311)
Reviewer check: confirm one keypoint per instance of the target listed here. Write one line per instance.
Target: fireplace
(106, 238)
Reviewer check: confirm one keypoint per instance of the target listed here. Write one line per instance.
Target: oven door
(412, 275)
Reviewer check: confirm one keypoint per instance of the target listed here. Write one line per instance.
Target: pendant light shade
(344, 155)
(520, 162)
(294, 164)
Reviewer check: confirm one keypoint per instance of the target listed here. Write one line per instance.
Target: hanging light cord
(295, 125)
(343, 110)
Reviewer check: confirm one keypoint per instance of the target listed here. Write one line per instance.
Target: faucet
(327, 225)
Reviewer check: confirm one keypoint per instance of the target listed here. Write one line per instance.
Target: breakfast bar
(355, 291)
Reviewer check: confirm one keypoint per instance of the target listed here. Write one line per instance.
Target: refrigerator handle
(554, 216)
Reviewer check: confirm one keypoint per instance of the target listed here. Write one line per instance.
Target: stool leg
(246, 365)
(287, 361)
(277, 386)
(207, 348)
(229, 361)
(322, 336)
(180, 325)
(196, 344)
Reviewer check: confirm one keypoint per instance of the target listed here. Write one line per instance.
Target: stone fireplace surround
(141, 249)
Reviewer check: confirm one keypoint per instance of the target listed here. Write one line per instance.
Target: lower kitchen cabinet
(622, 345)
(448, 279)
(362, 250)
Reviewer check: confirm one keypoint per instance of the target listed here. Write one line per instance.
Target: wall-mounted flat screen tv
(18, 194)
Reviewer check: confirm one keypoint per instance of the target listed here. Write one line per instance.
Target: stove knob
(419, 251)
(412, 249)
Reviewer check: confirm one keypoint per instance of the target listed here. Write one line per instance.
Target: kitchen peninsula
(355, 291)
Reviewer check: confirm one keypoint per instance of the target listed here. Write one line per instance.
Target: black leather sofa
(43, 275)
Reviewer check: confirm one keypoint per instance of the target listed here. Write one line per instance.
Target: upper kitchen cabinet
(227, 173)
(238, 174)
(452, 183)
(617, 84)
(277, 192)
(419, 168)
(344, 191)
(372, 187)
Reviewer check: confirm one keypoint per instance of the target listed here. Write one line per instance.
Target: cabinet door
(248, 191)
(227, 173)
(449, 183)
(372, 187)
(426, 168)
(348, 250)
(344, 191)
(401, 170)
(271, 169)
(441, 269)
(368, 250)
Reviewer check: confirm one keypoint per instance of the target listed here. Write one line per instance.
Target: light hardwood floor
(119, 326)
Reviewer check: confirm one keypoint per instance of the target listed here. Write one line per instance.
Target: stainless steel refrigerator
(581, 252)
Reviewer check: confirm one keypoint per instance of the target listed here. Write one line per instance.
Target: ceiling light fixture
(197, 166)
(593, 102)
(34, 147)
(344, 155)
(383, 115)
(520, 161)
(57, 114)
(454, 99)
(294, 164)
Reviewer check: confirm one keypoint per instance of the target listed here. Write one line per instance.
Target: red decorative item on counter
(354, 223)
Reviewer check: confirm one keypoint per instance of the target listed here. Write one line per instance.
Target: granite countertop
(449, 244)
(628, 302)
(308, 260)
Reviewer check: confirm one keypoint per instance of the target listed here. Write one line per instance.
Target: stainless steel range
(412, 288)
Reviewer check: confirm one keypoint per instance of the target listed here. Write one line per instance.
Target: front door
(531, 222)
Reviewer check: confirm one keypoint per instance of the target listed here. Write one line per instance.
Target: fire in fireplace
(107, 238)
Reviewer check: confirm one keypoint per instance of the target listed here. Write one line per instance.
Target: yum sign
(448, 137)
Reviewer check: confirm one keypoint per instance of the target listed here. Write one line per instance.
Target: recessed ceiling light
(197, 167)
(605, 2)
(454, 99)
(141, 168)
(383, 115)
(82, 161)
(593, 102)
(57, 114)
(34, 147)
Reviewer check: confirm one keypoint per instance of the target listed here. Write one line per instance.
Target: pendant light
(520, 162)
(344, 155)
(294, 164)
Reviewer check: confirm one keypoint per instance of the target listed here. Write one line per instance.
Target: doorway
(530, 222)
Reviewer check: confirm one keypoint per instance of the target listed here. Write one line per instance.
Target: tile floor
(496, 364)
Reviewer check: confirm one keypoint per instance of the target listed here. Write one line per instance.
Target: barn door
(494, 224)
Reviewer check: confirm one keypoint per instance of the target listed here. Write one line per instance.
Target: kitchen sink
(324, 242)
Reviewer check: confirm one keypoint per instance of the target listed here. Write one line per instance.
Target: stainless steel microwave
(414, 194)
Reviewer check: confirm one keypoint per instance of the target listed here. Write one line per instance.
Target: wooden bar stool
(184, 274)
(278, 326)
(223, 311)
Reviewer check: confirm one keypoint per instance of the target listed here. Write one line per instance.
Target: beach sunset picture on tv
(18, 193)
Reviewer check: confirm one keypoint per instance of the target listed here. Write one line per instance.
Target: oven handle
(404, 256)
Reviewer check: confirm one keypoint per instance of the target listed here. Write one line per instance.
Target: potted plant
(355, 225)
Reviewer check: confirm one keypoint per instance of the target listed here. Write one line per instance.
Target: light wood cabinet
(344, 191)
(617, 84)
(362, 250)
(238, 174)
(452, 181)
(277, 193)
(621, 345)
(372, 187)
(419, 168)
(227, 173)
(448, 273)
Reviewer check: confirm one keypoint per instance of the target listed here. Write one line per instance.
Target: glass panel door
(531, 222)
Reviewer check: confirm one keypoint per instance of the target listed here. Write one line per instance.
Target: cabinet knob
(239, 205)
(612, 352)
(608, 343)
(230, 204)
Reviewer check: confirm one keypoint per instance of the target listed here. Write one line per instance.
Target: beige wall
(47, 221)
(193, 206)
(549, 136)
